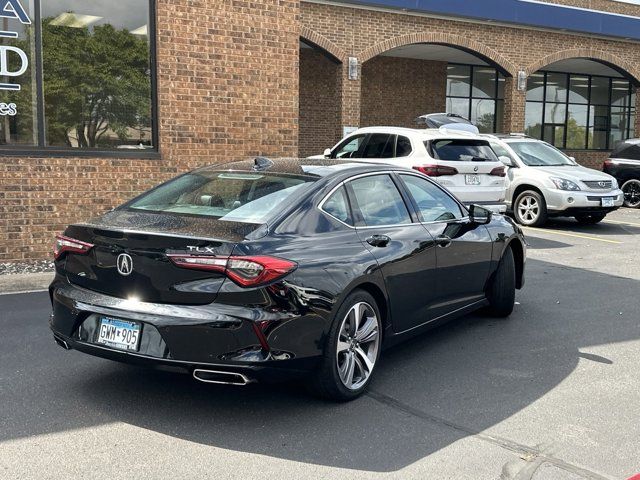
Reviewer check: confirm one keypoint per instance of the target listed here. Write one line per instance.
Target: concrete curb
(25, 282)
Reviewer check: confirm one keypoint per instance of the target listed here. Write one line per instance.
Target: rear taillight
(245, 271)
(66, 244)
(606, 164)
(436, 170)
(498, 172)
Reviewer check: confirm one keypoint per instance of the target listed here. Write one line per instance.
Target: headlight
(564, 184)
(614, 184)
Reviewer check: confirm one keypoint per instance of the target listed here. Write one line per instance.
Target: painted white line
(619, 222)
(576, 235)
(23, 291)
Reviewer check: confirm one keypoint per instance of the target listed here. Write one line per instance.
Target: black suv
(624, 165)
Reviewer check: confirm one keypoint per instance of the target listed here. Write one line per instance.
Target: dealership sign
(12, 9)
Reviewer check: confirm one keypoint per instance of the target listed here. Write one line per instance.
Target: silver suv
(543, 182)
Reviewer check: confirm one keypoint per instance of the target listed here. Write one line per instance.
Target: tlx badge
(201, 249)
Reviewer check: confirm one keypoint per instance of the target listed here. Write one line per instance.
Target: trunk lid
(147, 238)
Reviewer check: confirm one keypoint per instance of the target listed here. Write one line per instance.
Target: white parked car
(463, 162)
(543, 182)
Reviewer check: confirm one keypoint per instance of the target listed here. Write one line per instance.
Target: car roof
(324, 168)
(423, 133)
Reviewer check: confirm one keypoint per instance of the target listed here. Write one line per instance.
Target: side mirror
(506, 161)
(479, 215)
(327, 153)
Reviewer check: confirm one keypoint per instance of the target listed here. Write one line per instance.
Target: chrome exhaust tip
(62, 343)
(219, 377)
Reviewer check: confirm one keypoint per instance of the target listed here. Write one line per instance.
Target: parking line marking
(618, 222)
(577, 235)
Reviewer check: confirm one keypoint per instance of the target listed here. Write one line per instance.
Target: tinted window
(403, 147)
(462, 150)
(627, 151)
(349, 147)
(336, 206)
(379, 145)
(379, 201)
(433, 203)
(235, 196)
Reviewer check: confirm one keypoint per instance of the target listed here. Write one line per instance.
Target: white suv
(543, 182)
(462, 162)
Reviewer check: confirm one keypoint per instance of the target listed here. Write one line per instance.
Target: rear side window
(462, 150)
(379, 145)
(235, 196)
(338, 207)
(403, 146)
(434, 205)
(379, 201)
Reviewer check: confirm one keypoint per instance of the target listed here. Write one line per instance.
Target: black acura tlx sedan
(271, 269)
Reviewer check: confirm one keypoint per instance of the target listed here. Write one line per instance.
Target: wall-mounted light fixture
(353, 68)
(522, 80)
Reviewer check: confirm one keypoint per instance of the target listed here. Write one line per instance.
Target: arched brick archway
(617, 63)
(317, 40)
(471, 46)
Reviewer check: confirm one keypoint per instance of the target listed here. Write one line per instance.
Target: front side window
(232, 196)
(500, 151)
(349, 148)
(540, 154)
(379, 201)
(462, 150)
(91, 87)
(434, 205)
(578, 111)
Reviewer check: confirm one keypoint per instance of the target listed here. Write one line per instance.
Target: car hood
(574, 173)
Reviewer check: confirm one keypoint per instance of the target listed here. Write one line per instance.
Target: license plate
(119, 334)
(472, 179)
(607, 202)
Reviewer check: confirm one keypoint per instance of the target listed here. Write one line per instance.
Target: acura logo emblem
(124, 264)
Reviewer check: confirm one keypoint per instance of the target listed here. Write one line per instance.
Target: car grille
(598, 184)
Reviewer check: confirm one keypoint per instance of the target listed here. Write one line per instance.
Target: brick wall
(396, 90)
(320, 111)
(591, 159)
(228, 79)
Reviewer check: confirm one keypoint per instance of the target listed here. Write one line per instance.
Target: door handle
(443, 241)
(378, 240)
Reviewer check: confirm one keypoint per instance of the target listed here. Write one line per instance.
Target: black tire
(590, 219)
(535, 218)
(327, 382)
(631, 190)
(502, 291)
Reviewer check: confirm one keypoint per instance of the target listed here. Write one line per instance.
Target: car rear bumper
(476, 194)
(218, 337)
(565, 202)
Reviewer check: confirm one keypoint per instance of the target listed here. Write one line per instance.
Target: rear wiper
(481, 159)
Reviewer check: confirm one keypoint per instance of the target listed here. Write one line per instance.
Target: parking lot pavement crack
(532, 454)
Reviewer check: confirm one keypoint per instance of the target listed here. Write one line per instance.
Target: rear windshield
(628, 151)
(462, 150)
(234, 196)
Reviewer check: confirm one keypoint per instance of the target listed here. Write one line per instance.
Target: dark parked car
(624, 164)
(265, 270)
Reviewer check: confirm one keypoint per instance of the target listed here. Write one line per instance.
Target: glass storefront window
(577, 111)
(82, 79)
(476, 93)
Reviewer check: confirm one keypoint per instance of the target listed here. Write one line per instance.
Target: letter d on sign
(4, 65)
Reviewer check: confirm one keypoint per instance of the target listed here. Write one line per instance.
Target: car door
(403, 248)
(463, 253)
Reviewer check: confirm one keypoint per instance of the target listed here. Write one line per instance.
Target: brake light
(436, 170)
(245, 271)
(498, 172)
(67, 244)
(607, 163)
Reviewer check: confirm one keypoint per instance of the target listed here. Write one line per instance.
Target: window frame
(42, 150)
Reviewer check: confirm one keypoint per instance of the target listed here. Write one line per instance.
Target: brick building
(101, 100)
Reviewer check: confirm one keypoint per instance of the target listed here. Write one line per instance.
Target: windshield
(233, 196)
(540, 154)
(462, 150)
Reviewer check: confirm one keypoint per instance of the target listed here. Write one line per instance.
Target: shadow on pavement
(475, 372)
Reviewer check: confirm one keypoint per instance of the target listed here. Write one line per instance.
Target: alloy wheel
(528, 209)
(358, 344)
(631, 190)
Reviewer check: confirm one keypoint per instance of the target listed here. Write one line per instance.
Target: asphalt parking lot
(551, 393)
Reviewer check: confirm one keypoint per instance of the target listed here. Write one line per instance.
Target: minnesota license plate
(472, 179)
(607, 202)
(120, 334)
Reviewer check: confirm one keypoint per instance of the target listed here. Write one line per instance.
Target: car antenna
(262, 163)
